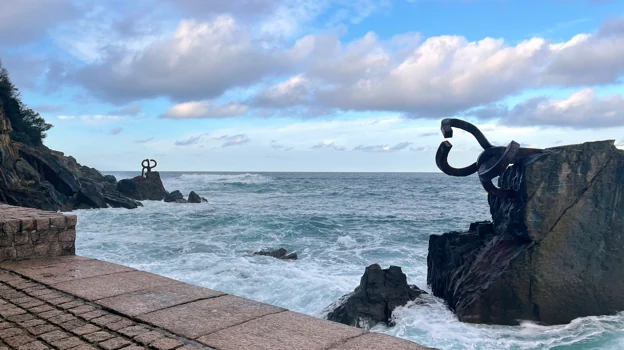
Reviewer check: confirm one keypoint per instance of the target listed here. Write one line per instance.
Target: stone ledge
(31, 233)
(192, 314)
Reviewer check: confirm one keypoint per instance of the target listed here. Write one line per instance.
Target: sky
(313, 85)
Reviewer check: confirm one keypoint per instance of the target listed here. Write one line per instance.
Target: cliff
(38, 177)
(553, 253)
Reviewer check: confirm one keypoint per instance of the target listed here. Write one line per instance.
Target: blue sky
(294, 85)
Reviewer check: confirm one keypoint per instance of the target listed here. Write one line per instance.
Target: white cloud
(204, 109)
(328, 144)
(24, 21)
(200, 60)
(582, 109)
(383, 148)
(234, 140)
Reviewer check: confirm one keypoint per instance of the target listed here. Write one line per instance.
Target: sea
(338, 224)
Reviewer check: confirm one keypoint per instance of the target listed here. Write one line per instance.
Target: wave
(246, 178)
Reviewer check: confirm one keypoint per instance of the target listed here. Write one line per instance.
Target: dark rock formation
(175, 197)
(110, 179)
(553, 253)
(38, 177)
(379, 293)
(280, 253)
(195, 198)
(142, 188)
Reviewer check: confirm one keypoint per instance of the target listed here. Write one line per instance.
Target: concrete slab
(203, 317)
(376, 341)
(72, 270)
(18, 266)
(157, 298)
(285, 330)
(106, 286)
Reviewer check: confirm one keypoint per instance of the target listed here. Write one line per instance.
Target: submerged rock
(175, 197)
(142, 188)
(280, 253)
(379, 293)
(195, 198)
(553, 253)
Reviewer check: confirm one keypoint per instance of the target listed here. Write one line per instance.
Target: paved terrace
(51, 298)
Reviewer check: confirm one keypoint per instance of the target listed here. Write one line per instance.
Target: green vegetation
(28, 126)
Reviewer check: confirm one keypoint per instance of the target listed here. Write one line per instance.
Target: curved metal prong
(495, 191)
(442, 162)
(491, 169)
(448, 124)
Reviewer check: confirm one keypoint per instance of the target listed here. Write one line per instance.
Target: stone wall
(30, 233)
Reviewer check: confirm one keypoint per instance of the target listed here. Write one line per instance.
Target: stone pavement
(72, 302)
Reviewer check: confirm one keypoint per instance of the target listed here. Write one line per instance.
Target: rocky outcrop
(280, 253)
(553, 253)
(175, 197)
(142, 188)
(379, 293)
(195, 198)
(38, 177)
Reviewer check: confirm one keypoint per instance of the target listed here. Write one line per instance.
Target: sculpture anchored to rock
(490, 163)
(147, 165)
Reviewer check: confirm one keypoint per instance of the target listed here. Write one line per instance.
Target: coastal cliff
(35, 176)
(553, 253)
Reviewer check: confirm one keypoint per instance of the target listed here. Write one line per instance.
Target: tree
(28, 126)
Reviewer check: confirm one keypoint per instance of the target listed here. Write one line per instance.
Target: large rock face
(554, 253)
(38, 177)
(142, 188)
(379, 293)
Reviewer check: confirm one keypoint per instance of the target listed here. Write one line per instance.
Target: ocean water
(338, 223)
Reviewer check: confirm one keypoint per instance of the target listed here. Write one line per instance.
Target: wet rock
(552, 254)
(142, 188)
(110, 179)
(280, 253)
(195, 198)
(175, 197)
(372, 302)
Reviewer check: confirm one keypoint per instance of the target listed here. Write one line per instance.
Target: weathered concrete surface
(40, 318)
(157, 298)
(186, 314)
(190, 319)
(284, 330)
(556, 251)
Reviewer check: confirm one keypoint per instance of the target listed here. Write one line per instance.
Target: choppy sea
(338, 223)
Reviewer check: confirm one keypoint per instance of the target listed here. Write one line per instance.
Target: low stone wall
(30, 233)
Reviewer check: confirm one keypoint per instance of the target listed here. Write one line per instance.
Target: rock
(175, 197)
(379, 293)
(142, 188)
(280, 253)
(110, 179)
(195, 198)
(116, 199)
(92, 196)
(553, 253)
(38, 177)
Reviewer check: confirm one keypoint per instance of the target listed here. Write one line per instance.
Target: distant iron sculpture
(147, 165)
(490, 163)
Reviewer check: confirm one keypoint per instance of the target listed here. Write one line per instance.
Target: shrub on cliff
(28, 126)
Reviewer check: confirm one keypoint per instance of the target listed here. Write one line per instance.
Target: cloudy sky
(313, 85)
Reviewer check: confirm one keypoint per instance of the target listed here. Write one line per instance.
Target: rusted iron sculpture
(490, 163)
(147, 165)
